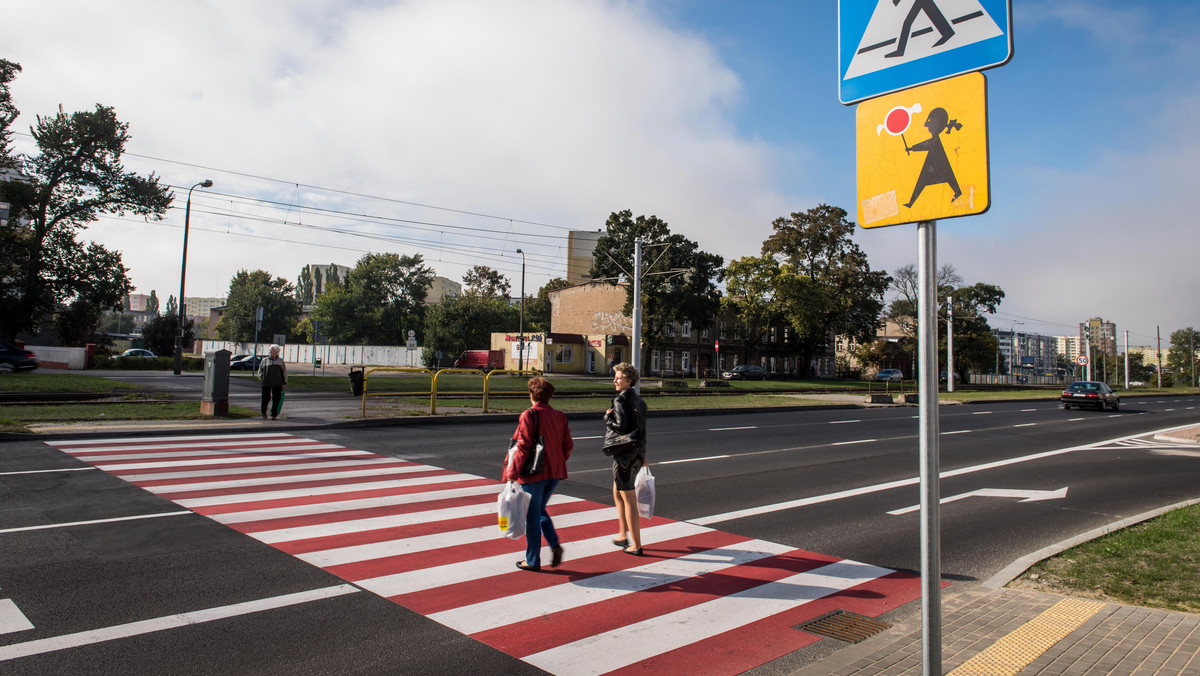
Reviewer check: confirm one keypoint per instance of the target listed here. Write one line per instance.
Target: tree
(152, 305)
(466, 323)
(825, 285)
(906, 282)
(159, 334)
(679, 280)
(172, 307)
(76, 176)
(974, 344)
(537, 309)
(247, 292)
(8, 113)
(383, 298)
(304, 286)
(1181, 358)
(750, 284)
(486, 282)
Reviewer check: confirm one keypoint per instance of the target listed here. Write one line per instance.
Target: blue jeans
(537, 521)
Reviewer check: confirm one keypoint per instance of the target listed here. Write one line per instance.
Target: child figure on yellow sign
(937, 165)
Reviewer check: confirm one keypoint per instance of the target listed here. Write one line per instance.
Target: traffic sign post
(885, 46)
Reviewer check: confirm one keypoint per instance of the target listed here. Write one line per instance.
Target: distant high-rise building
(441, 289)
(1101, 335)
(317, 277)
(581, 245)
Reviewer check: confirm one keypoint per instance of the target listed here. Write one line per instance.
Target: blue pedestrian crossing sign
(888, 45)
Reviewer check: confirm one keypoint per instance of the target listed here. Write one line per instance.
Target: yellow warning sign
(923, 153)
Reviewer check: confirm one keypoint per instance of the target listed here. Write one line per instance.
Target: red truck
(485, 360)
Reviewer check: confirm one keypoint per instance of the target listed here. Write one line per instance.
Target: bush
(147, 364)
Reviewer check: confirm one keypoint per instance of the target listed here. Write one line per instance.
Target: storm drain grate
(844, 626)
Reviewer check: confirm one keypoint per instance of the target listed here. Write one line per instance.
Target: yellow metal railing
(433, 385)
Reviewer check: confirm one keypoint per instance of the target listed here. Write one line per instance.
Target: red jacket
(552, 426)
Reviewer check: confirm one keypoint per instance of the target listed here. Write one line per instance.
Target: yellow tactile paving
(1016, 651)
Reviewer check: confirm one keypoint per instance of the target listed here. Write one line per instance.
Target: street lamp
(187, 213)
(521, 342)
(1012, 342)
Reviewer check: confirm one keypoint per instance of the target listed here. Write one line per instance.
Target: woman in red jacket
(551, 425)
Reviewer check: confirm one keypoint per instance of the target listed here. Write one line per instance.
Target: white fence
(73, 357)
(352, 355)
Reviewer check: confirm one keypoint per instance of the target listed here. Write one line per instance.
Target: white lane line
(48, 471)
(12, 619)
(1168, 410)
(676, 462)
(89, 523)
(857, 441)
(729, 429)
(981, 413)
(1025, 425)
(45, 645)
(1075, 419)
(957, 432)
(474, 618)
(843, 422)
(912, 481)
(1028, 410)
(599, 436)
(611, 650)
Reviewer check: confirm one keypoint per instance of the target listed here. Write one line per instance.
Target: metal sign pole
(927, 398)
(636, 339)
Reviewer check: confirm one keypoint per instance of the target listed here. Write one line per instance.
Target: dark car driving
(247, 363)
(16, 359)
(1092, 394)
(745, 372)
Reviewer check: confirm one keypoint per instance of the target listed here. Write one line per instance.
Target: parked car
(745, 372)
(1092, 394)
(16, 359)
(894, 375)
(485, 360)
(137, 352)
(942, 377)
(247, 363)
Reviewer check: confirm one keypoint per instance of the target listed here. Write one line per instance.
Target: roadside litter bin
(356, 382)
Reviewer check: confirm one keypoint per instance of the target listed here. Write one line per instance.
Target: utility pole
(950, 344)
(635, 342)
(1127, 360)
(1158, 352)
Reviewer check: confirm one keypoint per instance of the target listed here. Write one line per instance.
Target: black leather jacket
(628, 416)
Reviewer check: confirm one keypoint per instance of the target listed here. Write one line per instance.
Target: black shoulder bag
(536, 462)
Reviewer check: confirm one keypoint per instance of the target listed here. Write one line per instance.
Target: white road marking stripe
(352, 505)
(118, 468)
(858, 441)
(676, 462)
(843, 422)
(957, 432)
(92, 522)
(381, 522)
(601, 436)
(508, 610)
(139, 442)
(12, 619)
(464, 571)
(48, 471)
(981, 413)
(320, 490)
(286, 479)
(261, 469)
(45, 645)
(101, 455)
(424, 543)
(1028, 410)
(1026, 425)
(729, 429)
(612, 650)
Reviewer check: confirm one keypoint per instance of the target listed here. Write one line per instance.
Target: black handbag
(622, 443)
(536, 461)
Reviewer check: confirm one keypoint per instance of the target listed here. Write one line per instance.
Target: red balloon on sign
(716, 346)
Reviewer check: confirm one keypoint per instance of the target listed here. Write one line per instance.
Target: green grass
(19, 418)
(61, 382)
(1154, 564)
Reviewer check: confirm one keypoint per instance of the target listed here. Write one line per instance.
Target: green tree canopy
(466, 323)
(247, 292)
(826, 286)
(1181, 358)
(750, 286)
(75, 177)
(159, 334)
(537, 309)
(152, 303)
(679, 280)
(486, 282)
(383, 298)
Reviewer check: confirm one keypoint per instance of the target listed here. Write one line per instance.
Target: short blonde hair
(629, 371)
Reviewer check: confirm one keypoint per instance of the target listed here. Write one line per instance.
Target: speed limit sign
(1082, 360)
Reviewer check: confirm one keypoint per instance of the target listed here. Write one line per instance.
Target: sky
(463, 130)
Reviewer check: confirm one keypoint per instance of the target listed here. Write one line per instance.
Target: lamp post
(521, 342)
(1012, 346)
(187, 213)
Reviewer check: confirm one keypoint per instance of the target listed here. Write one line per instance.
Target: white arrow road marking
(12, 619)
(1027, 495)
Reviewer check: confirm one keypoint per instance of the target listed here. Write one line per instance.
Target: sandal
(622, 543)
(525, 566)
(635, 552)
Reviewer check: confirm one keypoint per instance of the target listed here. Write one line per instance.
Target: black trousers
(274, 397)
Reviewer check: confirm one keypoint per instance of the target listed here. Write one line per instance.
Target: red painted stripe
(376, 464)
(257, 462)
(416, 530)
(253, 505)
(196, 462)
(265, 444)
(363, 513)
(72, 447)
(400, 563)
(757, 643)
(548, 631)
(430, 601)
(316, 483)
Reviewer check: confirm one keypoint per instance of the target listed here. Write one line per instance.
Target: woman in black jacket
(627, 416)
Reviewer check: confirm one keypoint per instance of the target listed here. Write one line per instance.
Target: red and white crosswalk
(700, 601)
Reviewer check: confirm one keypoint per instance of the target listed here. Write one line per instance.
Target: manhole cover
(844, 626)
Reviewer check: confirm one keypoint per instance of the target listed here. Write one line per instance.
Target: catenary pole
(636, 338)
(927, 406)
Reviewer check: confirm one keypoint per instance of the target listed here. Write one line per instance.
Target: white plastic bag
(511, 508)
(643, 485)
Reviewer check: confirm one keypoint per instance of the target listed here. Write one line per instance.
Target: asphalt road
(824, 481)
